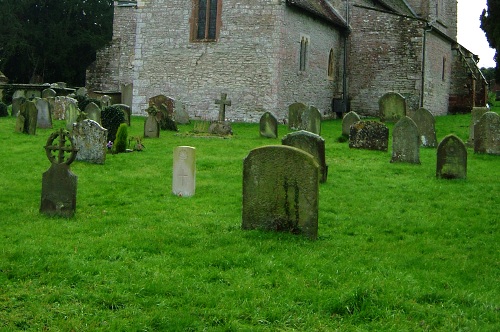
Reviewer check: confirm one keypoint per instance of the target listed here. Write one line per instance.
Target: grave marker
(49, 93)
(370, 135)
(405, 142)
(451, 158)
(71, 113)
(151, 127)
(90, 139)
(268, 125)
(93, 112)
(487, 134)
(184, 171)
(127, 112)
(311, 120)
(295, 112)
(222, 102)
(44, 119)
(392, 107)
(426, 125)
(348, 120)
(181, 116)
(476, 114)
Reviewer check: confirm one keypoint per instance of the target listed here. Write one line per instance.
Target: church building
(337, 55)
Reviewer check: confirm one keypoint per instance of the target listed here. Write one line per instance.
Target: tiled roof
(320, 8)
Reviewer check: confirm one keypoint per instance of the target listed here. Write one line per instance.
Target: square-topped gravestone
(127, 112)
(151, 127)
(426, 125)
(369, 135)
(44, 119)
(93, 112)
(268, 125)
(392, 107)
(90, 140)
(281, 190)
(475, 116)
(451, 158)
(311, 120)
(487, 134)
(312, 144)
(184, 171)
(405, 142)
(295, 112)
(348, 120)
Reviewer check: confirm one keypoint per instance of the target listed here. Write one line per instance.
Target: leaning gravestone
(151, 127)
(348, 120)
(370, 135)
(184, 171)
(44, 119)
(392, 107)
(90, 140)
(476, 114)
(311, 120)
(487, 134)
(426, 125)
(58, 182)
(127, 112)
(268, 125)
(312, 144)
(405, 142)
(451, 158)
(93, 112)
(181, 116)
(72, 113)
(295, 112)
(281, 190)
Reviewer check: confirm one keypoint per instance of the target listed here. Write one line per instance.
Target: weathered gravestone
(59, 184)
(181, 116)
(49, 93)
(487, 134)
(311, 120)
(312, 144)
(348, 120)
(151, 127)
(26, 121)
(295, 112)
(476, 114)
(44, 119)
(127, 91)
(451, 158)
(105, 101)
(426, 125)
(127, 112)
(370, 135)
(160, 100)
(268, 125)
(184, 171)
(392, 107)
(90, 139)
(221, 126)
(281, 190)
(59, 110)
(71, 113)
(82, 92)
(93, 112)
(16, 105)
(405, 142)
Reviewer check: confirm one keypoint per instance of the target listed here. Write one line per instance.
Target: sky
(470, 34)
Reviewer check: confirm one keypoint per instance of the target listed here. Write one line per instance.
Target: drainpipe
(427, 28)
(345, 90)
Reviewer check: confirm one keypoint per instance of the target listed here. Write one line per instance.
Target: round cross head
(63, 152)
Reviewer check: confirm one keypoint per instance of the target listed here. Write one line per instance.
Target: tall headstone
(127, 93)
(184, 171)
(392, 107)
(30, 114)
(49, 93)
(59, 184)
(90, 139)
(295, 112)
(16, 105)
(475, 116)
(281, 190)
(451, 158)
(268, 125)
(312, 144)
(426, 125)
(311, 120)
(44, 119)
(181, 116)
(127, 112)
(487, 134)
(151, 127)
(93, 112)
(405, 142)
(348, 120)
(369, 135)
(71, 114)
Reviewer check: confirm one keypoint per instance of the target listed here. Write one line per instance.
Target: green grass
(398, 249)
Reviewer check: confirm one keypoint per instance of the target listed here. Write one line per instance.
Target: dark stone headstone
(44, 119)
(162, 101)
(295, 112)
(405, 142)
(370, 135)
(451, 158)
(281, 190)
(30, 114)
(348, 120)
(392, 107)
(487, 134)
(426, 127)
(268, 125)
(16, 105)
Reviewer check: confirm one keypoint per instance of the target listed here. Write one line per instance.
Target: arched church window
(331, 65)
(206, 20)
(304, 44)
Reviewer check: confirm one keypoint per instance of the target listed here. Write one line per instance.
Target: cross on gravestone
(222, 102)
(58, 182)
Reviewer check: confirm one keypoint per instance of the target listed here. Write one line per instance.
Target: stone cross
(223, 102)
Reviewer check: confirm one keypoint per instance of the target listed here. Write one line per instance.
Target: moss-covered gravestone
(369, 135)
(451, 158)
(58, 182)
(392, 107)
(311, 120)
(295, 112)
(487, 134)
(268, 125)
(281, 190)
(405, 142)
(426, 125)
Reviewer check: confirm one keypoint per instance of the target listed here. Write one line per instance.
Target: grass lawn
(398, 249)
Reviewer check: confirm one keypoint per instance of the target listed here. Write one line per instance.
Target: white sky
(470, 35)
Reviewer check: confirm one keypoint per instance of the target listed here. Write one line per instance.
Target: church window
(206, 20)
(331, 59)
(304, 44)
(443, 73)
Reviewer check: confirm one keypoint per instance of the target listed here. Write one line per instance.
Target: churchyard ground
(398, 249)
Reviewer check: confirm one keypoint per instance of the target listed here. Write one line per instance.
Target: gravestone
(181, 116)
(221, 127)
(222, 102)
(28, 113)
(162, 101)
(392, 107)
(20, 120)
(295, 112)
(405, 142)
(126, 112)
(44, 119)
(82, 92)
(312, 144)
(281, 190)
(16, 105)
(59, 184)
(487, 134)
(59, 110)
(105, 101)
(127, 91)
(311, 120)
(348, 120)
(268, 125)
(151, 127)
(71, 114)
(184, 171)
(19, 94)
(451, 158)
(93, 112)
(49, 93)
(370, 135)
(426, 125)
(90, 139)
(476, 114)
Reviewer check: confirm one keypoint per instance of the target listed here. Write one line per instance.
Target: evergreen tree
(489, 23)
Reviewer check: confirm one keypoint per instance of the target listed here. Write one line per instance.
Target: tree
(489, 23)
(52, 40)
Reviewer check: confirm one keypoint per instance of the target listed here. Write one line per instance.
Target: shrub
(8, 92)
(111, 118)
(120, 143)
(3, 110)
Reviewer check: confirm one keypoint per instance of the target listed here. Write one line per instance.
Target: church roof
(399, 6)
(320, 8)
